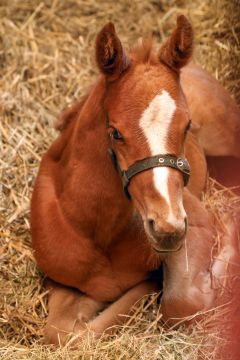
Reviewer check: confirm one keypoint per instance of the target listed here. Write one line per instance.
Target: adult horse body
(86, 234)
(217, 124)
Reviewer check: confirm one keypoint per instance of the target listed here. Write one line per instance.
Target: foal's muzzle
(166, 241)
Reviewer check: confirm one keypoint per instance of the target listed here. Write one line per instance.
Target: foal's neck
(90, 139)
(110, 211)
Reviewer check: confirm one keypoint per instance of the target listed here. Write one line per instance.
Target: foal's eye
(116, 135)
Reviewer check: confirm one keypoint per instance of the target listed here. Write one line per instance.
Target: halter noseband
(162, 160)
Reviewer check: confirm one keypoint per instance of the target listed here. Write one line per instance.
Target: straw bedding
(46, 61)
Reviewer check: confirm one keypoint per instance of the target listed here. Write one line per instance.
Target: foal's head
(147, 115)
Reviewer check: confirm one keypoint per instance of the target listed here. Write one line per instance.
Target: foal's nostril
(151, 225)
(166, 234)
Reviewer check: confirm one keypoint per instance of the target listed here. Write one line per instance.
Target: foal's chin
(167, 250)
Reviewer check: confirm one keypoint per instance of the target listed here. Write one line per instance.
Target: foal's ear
(178, 48)
(110, 55)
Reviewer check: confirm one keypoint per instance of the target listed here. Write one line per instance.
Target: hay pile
(46, 61)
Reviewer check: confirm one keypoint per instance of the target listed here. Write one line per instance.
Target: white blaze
(155, 122)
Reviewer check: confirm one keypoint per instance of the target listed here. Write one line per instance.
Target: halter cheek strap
(161, 160)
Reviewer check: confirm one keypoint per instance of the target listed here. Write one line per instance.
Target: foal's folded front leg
(187, 278)
(194, 279)
(115, 314)
(69, 312)
(73, 315)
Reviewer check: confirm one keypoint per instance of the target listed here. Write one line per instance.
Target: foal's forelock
(155, 123)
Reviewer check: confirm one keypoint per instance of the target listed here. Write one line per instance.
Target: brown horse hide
(226, 170)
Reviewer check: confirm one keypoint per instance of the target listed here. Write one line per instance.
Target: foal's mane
(70, 113)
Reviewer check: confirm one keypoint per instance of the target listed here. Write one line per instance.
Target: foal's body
(93, 243)
(86, 234)
(89, 246)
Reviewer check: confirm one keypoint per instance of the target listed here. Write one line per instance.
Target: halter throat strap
(161, 160)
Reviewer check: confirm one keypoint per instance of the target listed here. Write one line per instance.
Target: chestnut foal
(87, 236)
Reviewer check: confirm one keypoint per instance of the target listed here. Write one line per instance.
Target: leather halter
(161, 160)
